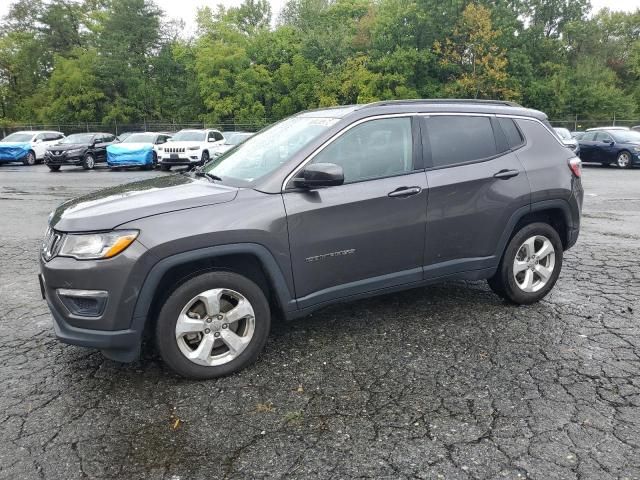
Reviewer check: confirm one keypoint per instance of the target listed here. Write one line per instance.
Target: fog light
(84, 303)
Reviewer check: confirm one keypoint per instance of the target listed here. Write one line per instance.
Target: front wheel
(30, 159)
(205, 158)
(54, 168)
(165, 168)
(88, 162)
(213, 325)
(530, 265)
(624, 160)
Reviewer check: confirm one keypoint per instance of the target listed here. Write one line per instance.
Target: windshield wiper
(210, 176)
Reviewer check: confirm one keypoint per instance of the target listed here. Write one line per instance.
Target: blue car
(619, 147)
(136, 150)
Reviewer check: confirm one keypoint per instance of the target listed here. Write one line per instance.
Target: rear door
(367, 234)
(587, 147)
(476, 183)
(605, 149)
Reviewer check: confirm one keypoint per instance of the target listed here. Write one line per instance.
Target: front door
(367, 234)
(476, 183)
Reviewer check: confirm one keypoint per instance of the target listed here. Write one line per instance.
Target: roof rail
(444, 100)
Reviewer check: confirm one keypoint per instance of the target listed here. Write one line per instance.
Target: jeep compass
(325, 206)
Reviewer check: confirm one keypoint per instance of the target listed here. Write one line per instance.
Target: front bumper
(186, 158)
(50, 159)
(114, 330)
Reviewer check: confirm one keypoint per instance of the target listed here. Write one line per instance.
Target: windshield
(140, 138)
(264, 152)
(18, 137)
(627, 136)
(236, 138)
(188, 136)
(563, 133)
(78, 138)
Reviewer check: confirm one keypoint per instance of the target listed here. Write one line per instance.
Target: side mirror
(320, 175)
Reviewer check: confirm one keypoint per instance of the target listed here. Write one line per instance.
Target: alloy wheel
(215, 327)
(534, 263)
(623, 160)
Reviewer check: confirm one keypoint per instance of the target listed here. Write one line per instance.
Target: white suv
(189, 147)
(28, 146)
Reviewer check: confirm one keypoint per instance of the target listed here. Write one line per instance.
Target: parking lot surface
(438, 382)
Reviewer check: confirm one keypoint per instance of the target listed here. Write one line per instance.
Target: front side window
(589, 136)
(374, 149)
(459, 139)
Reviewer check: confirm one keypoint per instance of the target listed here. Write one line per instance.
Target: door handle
(404, 192)
(505, 174)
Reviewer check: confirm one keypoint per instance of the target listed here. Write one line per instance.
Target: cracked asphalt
(438, 382)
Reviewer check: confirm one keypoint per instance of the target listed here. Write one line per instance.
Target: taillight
(575, 164)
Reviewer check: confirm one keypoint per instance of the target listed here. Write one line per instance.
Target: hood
(106, 209)
(191, 143)
(66, 146)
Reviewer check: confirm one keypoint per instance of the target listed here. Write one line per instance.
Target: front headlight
(93, 246)
(75, 151)
(636, 149)
(194, 148)
(160, 149)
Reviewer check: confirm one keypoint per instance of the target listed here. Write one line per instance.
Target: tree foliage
(122, 60)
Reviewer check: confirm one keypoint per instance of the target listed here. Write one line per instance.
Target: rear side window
(603, 137)
(589, 137)
(511, 132)
(459, 139)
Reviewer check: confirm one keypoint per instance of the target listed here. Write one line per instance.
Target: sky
(186, 9)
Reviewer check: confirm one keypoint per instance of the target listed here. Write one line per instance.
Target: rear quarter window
(511, 132)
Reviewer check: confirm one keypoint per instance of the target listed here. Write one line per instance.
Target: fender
(273, 271)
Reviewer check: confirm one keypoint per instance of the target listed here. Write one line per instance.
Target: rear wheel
(623, 160)
(213, 325)
(88, 162)
(530, 265)
(54, 168)
(30, 159)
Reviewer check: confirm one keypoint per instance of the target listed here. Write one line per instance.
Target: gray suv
(325, 206)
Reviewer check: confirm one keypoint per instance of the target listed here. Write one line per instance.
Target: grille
(174, 149)
(50, 244)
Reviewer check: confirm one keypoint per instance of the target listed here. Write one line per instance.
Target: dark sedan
(620, 147)
(80, 149)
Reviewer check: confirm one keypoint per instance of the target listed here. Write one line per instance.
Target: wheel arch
(251, 260)
(556, 213)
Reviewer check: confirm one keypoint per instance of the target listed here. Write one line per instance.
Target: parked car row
(612, 145)
(146, 150)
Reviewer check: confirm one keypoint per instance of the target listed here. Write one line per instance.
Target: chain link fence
(118, 128)
(579, 124)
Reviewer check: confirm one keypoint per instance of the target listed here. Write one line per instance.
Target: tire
(529, 284)
(212, 331)
(205, 158)
(624, 159)
(165, 168)
(30, 159)
(54, 168)
(88, 162)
